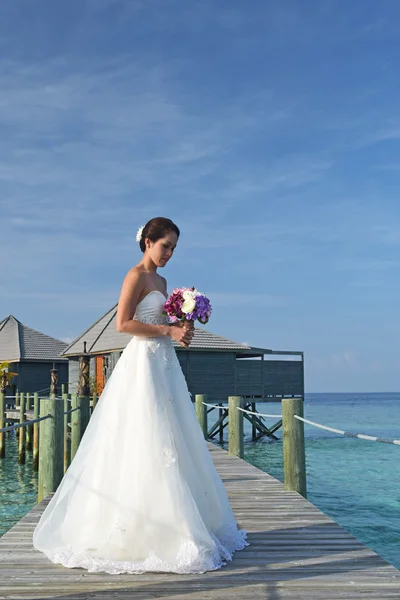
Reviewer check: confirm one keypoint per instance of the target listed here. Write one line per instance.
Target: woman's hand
(188, 325)
(182, 334)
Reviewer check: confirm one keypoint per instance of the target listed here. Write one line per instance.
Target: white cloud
(293, 172)
(130, 138)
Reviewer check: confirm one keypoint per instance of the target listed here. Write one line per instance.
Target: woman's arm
(132, 287)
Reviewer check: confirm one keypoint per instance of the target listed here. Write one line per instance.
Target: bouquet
(187, 304)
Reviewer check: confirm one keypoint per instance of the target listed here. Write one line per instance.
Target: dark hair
(157, 228)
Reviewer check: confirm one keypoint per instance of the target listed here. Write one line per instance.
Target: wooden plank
(295, 552)
(14, 415)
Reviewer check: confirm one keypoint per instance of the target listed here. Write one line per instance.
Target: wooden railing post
(235, 426)
(36, 412)
(2, 424)
(75, 425)
(201, 413)
(84, 403)
(221, 427)
(28, 406)
(67, 421)
(50, 446)
(253, 423)
(22, 430)
(294, 460)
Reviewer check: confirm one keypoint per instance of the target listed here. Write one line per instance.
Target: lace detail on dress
(169, 457)
(190, 559)
(153, 315)
(150, 309)
(162, 352)
(170, 358)
(153, 319)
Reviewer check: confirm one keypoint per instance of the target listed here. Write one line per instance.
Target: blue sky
(269, 131)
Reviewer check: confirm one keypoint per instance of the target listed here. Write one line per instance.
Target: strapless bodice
(150, 309)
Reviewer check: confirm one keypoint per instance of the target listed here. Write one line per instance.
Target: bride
(142, 493)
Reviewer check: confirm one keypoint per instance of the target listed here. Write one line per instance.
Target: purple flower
(173, 306)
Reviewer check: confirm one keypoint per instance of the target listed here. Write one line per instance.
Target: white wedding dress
(142, 493)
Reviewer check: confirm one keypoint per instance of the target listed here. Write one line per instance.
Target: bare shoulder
(132, 288)
(164, 281)
(135, 278)
(135, 274)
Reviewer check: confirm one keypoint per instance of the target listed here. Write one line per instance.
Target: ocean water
(18, 486)
(355, 482)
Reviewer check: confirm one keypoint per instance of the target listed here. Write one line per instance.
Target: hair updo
(157, 228)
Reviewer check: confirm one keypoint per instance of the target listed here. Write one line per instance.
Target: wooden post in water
(17, 400)
(221, 427)
(253, 423)
(84, 403)
(36, 412)
(75, 425)
(235, 426)
(294, 460)
(64, 388)
(84, 389)
(22, 431)
(201, 413)
(2, 424)
(67, 420)
(28, 406)
(50, 446)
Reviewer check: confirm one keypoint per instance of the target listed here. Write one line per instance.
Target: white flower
(139, 233)
(189, 301)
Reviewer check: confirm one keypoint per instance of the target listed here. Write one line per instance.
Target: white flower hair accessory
(139, 233)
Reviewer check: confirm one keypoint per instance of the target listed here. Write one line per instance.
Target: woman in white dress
(142, 493)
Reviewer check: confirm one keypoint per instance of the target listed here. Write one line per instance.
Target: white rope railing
(215, 406)
(249, 412)
(361, 436)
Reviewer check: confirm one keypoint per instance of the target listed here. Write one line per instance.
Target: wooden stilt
(51, 446)
(36, 412)
(22, 431)
(235, 431)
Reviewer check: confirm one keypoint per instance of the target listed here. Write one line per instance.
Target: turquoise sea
(355, 482)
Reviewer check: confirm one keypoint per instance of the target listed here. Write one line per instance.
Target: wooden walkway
(295, 552)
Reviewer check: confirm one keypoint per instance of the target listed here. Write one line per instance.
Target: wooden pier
(295, 552)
